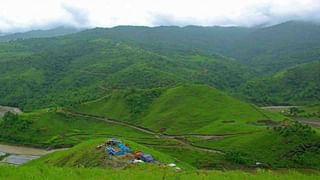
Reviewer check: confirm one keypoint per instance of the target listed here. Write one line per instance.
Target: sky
(24, 15)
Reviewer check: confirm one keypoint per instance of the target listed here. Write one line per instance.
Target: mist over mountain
(84, 14)
(58, 31)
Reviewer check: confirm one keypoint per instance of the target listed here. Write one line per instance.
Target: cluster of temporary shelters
(114, 147)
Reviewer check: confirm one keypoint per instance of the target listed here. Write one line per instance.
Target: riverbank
(4, 109)
(19, 154)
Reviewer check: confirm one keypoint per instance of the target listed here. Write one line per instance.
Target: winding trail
(180, 138)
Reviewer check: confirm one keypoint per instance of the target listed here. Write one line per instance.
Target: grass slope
(153, 173)
(184, 109)
(43, 129)
(85, 155)
(51, 129)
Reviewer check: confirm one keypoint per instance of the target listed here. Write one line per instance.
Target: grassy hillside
(294, 146)
(154, 173)
(51, 129)
(246, 134)
(85, 155)
(297, 85)
(186, 109)
(237, 143)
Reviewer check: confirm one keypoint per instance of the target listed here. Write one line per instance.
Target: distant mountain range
(69, 69)
(59, 31)
(268, 49)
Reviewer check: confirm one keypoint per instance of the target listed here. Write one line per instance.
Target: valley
(236, 102)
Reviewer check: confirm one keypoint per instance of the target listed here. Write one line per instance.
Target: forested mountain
(77, 67)
(268, 49)
(70, 69)
(59, 31)
(296, 85)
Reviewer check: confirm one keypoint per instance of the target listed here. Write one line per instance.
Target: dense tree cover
(59, 31)
(76, 68)
(71, 69)
(296, 85)
(267, 49)
(11, 125)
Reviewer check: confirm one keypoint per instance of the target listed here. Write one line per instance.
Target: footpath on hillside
(179, 138)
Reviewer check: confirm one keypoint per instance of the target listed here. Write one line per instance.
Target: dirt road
(314, 122)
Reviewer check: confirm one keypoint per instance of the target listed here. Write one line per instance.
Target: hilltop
(186, 109)
(86, 155)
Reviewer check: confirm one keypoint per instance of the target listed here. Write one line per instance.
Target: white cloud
(16, 15)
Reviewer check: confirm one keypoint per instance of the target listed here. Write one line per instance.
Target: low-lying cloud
(18, 15)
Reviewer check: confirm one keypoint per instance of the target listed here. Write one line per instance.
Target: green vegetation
(43, 129)
(246, 132)
(80, 160)
(86, 155)
(59, 31)
(294, 145)
(297, 85)
(165, 91)
(80, 67)
(174, 110)
(310, 111)
(156, 173)
(266, 49)
(54, 130)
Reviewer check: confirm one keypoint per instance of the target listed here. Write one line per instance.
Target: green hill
(296, 85)
(86, 155)
(53, 129)
(186, 109)
(202, 127)
(295, 145)
(57, 129)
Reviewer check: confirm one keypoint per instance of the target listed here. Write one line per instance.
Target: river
(4, 109)
(20, 154)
